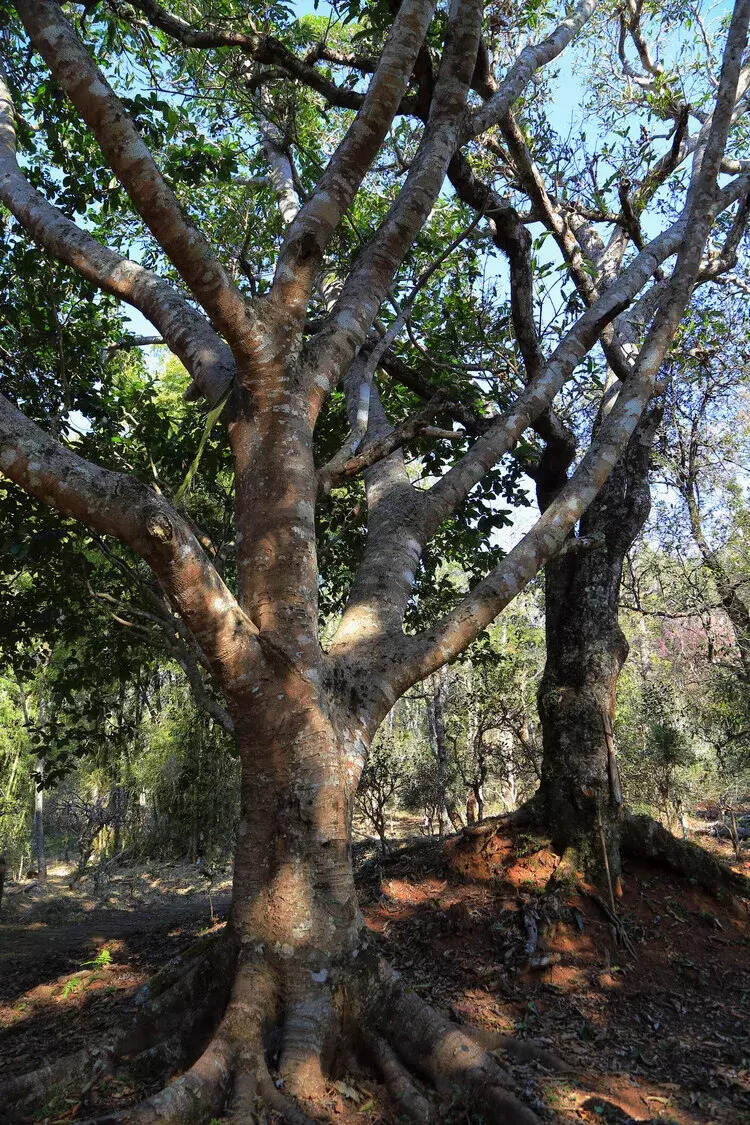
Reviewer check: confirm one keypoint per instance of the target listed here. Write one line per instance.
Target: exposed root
(33, 1087)
(255, 1002)
(274, 1099)
(520, 1050)
(165, 1057)
(525, 816)
(567, 871)
(196, 1095)
(308, 1018)
(279, 1008)
(438, 1049)
(645, 838)
(272, 1011)
(397, 1079)
(178, 1005)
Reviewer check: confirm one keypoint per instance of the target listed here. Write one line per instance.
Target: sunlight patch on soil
(662, 1037)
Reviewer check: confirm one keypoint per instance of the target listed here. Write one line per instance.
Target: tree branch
(422, 655)
(261, 48)
(123, 507)
(531, 59)
(332, 350)
(505, 430)
(128, 156)
(183, 328)
(311, 230)
(417, 425)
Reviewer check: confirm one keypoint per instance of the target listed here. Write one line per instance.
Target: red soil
(662, 1036)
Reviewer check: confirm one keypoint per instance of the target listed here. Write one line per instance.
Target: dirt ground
(657, 1034)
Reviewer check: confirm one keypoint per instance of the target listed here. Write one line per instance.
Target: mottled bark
(296, 958)
(293, 885)
(130, 159)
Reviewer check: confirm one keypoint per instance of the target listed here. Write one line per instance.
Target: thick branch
(568, 243)
(183, 328)
(330, 353)
(423, 655)
(311, 230)
(443, 498)
(127, 155)
(123, 507)
(531, 59)
(375, 608)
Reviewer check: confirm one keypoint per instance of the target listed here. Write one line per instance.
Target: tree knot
(158, 526)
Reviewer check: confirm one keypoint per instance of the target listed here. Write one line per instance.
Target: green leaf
(211, 420)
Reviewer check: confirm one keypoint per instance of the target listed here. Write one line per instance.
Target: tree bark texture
(296, 977)
(580, 795)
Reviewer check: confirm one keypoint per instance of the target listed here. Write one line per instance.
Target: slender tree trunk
(38, 829)
(117, 799)
(580, 796)
(481, 779)
(447, 811)
(117, 805)
(471, 807)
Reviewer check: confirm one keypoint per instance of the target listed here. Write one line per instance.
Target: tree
(580, 793)
(580, 798)
(703, 440)
(492, 710)
(389, 765)
(693, 586)
(277, 348)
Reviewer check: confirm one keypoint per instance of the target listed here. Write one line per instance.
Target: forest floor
(659, 1034)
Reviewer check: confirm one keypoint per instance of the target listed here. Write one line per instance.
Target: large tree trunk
(580, 796)
(296, 975)
(295, 982)
(293, 884)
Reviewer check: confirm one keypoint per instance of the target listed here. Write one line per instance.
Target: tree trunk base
(242, 1022)
(422, 1057)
